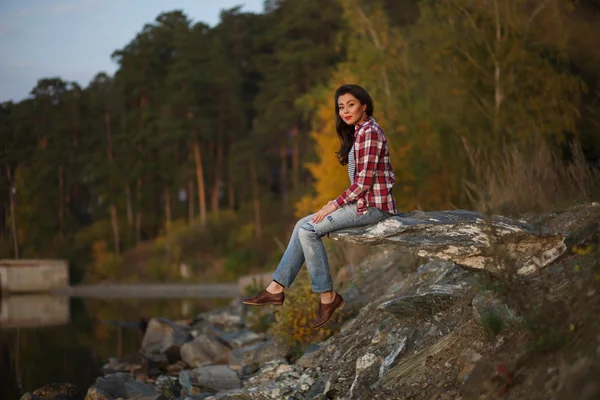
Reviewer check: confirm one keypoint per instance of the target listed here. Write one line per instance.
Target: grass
(536, 179)
(492, 323)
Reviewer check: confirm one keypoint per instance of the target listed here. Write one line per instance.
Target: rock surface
(464, 237)
(213, 377)
(164, 337)
(204, 350)
(122, 386)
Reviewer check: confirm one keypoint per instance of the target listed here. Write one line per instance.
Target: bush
(106, 264)
(293, 320)
(239, 262)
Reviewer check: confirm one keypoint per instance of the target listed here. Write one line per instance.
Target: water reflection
(34, 310)
(46, 339)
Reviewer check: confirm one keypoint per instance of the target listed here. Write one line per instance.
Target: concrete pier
(29, 276)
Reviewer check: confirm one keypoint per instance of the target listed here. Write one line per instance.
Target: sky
(73, 39)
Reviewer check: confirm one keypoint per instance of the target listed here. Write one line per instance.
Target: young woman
(368, 200)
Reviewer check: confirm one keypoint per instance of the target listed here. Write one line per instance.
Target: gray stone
(164, 337)
(215, 377)
(270, 350)
(309, 359)
(423, 304)
(235, 394)
(391, 358)
(27, 396)
(464, 237)
(225, 320)
(121, 385)
(367, 368)
(204, 350)
(242, 338)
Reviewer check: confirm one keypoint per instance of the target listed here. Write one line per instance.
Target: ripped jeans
(306, 245)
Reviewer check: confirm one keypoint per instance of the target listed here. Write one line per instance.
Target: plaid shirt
(373, 176)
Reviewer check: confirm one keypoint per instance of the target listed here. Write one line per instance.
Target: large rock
(204, 350)
(213, 377)
(164, 337)
(464, 237)
(121, 386)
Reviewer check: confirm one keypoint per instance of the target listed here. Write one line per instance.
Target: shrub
(492, 323)
(293, 320)
(106, 264)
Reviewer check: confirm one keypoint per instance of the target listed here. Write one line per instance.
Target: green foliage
(240, 261)
(106, 264)
(492, 323)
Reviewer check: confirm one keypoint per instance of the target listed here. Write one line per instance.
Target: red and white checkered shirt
(374, 175)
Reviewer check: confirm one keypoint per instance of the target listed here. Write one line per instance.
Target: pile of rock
(411, 329)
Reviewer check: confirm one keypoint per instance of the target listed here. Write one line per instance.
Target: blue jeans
(306, 245)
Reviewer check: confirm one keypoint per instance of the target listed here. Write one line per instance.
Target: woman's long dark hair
(346, 132)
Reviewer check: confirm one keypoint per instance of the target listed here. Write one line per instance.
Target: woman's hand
(326, 210)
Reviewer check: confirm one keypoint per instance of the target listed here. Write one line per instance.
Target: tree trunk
(61, 207)
(230, 186)
(13, 217)
(115, 226)
(295, 159)
(200, 179)
(217, 183)
(255, 201)
(129, 206)
(283, 175)
(113, 206)
(138, 216)
(168, 220)
(190, 193)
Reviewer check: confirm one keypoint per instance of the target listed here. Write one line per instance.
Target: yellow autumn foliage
(293, 320)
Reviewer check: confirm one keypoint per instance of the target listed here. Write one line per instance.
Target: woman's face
(350, 109)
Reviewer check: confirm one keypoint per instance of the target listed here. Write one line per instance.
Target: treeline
(233, 125)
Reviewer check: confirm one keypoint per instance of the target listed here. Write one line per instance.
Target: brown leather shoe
(264, 298)
(327, 310)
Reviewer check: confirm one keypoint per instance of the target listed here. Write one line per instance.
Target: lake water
(62, 339)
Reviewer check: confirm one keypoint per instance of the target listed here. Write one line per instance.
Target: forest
(208, 143)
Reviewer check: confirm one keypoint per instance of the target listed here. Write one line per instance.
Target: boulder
(213, 377)
(204, 350)
(164, 337)
(464, 237)
(121, 386)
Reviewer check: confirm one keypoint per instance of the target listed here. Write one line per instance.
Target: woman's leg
(310, 235)
(292, 259)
